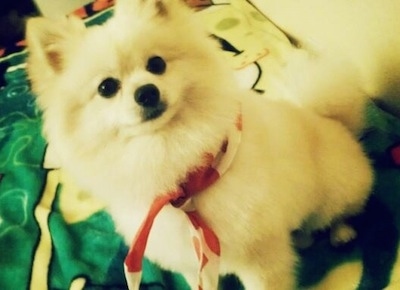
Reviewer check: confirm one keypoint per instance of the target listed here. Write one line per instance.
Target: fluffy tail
(329, 85)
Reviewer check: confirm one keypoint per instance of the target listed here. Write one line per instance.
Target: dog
(133, 106)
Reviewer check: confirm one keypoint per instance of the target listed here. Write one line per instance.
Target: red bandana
(205, 242)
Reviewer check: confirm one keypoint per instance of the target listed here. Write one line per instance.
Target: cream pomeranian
(132, 106)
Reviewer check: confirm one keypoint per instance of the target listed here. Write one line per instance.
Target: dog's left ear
(49, 43)
(144, 8)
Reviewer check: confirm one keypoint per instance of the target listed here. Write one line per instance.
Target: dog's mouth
(152, 113)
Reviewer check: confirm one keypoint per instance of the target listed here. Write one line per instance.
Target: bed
(55, 236)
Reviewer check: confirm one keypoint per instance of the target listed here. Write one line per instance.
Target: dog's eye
(156, 65)
(108, 88)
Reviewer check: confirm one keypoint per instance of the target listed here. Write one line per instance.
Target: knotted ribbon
(205, 241)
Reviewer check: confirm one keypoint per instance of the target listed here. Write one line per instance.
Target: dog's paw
(341, 234)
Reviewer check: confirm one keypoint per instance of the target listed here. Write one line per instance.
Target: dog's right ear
(49, 43)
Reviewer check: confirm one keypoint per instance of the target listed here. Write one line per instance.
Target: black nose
(147, 96)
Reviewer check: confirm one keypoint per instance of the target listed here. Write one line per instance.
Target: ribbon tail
(133, 261)
(208, 252)
(132, 279)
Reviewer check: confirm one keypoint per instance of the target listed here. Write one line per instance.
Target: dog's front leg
(272, 267)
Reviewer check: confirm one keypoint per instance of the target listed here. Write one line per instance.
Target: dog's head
(132, 75)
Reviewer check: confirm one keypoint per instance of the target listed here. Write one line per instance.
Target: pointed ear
(49, 42)
(142, 8)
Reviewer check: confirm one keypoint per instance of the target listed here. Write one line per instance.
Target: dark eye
(156, 65)
(108, 88)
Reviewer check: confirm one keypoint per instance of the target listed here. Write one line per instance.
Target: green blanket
(54, 236)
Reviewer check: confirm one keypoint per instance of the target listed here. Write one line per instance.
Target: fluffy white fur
(363, 32)
(293, 168)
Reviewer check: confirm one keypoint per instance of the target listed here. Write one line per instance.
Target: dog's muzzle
(149, 98)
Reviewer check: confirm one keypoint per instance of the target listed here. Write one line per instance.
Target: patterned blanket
(55, 236)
